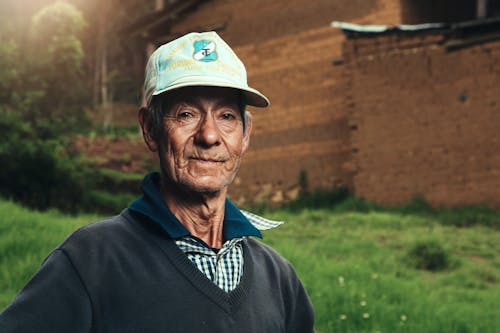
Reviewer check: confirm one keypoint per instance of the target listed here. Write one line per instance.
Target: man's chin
(204, 187)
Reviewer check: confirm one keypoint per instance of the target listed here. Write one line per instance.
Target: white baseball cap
(198, 59)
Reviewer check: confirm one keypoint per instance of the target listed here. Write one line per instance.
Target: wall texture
(424, 120)
(288, 48)
(391, 116)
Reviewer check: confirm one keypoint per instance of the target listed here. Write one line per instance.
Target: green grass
(355, 268)
(26, 238)
(354, 265)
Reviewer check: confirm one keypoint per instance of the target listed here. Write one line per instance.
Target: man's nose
(208, 133)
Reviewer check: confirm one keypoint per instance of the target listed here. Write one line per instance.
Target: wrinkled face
(204, 139)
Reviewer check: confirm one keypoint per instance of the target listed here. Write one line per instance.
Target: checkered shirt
(225, 266)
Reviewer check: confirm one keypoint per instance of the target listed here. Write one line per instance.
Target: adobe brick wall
(425, 121)
(288, 47)
(254, 21)
(305, 128)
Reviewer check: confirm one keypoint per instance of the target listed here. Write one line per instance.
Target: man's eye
(186, 114)
(228, 116)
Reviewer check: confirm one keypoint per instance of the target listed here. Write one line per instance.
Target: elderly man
(182, 258)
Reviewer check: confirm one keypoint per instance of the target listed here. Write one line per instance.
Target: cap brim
(252, 96)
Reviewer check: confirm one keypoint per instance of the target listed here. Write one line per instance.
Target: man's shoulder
(101, 233)
(97, 228)
(271, 265)
(264, 252)
(108, 241)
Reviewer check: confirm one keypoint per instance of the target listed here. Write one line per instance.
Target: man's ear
(146, 128)
(248, 131)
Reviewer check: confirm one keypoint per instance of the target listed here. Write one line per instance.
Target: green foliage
(354, 204)
(428, 255)
(417, 204)
(107, 201)
(318, 199)
(39, 174)
(36, 172)
(115, 190)
(341, 200)
(42, 80)
(57, 20)
(41, 105)
(303, 182)
(8, 70)
(54, 78)
(469, 216)
(118, 176)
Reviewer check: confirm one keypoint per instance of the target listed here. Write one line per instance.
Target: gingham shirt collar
(237, 223)
(224, 267)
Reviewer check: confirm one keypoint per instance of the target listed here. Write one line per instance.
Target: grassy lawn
(357, 267)
(358, 274)
(26, 238)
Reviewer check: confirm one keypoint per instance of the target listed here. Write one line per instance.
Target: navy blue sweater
(126, 275)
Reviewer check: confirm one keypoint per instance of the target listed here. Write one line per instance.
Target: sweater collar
(152, 205)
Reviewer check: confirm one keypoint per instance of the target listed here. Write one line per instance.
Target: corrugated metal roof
(376, 29)
(456, 35)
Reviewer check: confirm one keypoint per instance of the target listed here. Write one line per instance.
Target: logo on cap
(204, 50)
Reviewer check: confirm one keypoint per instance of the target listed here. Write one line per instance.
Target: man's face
(204, 139)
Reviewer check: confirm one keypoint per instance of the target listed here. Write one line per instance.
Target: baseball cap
(198, 59)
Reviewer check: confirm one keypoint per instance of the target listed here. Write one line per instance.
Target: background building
(388, 113)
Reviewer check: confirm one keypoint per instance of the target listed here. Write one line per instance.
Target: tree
(8, 69)
(41, 104)
(56, 73)
(111, 65)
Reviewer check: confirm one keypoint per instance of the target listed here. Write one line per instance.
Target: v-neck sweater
(223, 266)
(126, 275)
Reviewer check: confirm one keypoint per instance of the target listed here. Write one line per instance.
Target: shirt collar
(152, 205)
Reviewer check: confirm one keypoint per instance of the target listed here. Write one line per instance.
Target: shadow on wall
(445, 11)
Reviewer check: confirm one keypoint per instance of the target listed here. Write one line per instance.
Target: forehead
(197, 95)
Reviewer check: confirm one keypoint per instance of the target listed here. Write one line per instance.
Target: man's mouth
(207, 160)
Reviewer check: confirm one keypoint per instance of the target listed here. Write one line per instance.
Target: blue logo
(204, 50)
